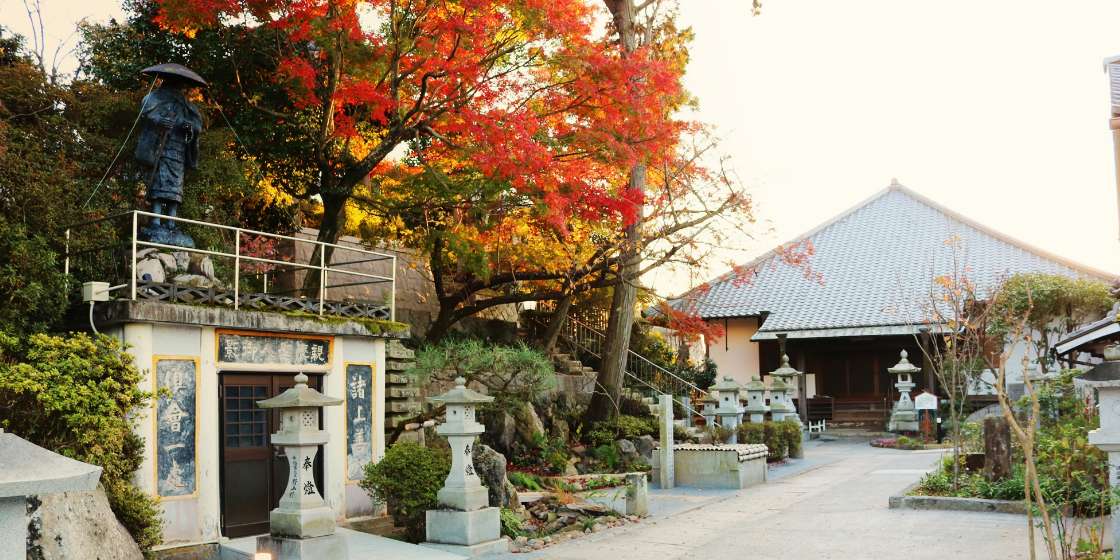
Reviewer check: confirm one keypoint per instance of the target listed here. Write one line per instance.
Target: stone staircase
(402, 396)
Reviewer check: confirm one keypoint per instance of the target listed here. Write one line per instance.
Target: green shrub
(775, 440)
(552, 453)
(719, 433)
(681, 434)
(781, 438)
(32, 285)
(752, 432)
(74, 395)
(513, 375)
(525, 481)
(623, 426)
(791, 430)
(406, 480)
(511, 523)
(609, 455)
(630, 406)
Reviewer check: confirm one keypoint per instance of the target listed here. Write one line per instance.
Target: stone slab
(498, 546)
(956, 504)
(360, 546)
(140, 311)
(279, 548)
(28, 470)
(463, 527)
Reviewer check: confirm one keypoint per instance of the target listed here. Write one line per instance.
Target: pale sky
(995, 108)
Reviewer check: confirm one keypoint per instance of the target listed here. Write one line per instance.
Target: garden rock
(78, 526)
(503, 429)
(628, 450)
(645, 447)
(491, 468)
(528, 425)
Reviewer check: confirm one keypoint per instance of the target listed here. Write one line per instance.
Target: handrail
(323, 267)
(584, 337)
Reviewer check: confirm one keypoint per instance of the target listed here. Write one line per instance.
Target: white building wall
(735, 355)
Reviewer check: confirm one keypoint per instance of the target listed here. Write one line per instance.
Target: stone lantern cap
(1106, 373)
(727, 384)
(710, 397)
(904, 365)
(756, 384)
(785, 370)
(29, 470)
(777, 385)
(460, 394)
(300, 396)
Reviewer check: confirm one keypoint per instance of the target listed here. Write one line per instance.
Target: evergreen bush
(74, 395)
(406, 480)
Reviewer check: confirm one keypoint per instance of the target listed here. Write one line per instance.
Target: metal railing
(639, 369)
(108, 248)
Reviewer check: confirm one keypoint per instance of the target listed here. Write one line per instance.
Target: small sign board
(264, 349)
(925, 401)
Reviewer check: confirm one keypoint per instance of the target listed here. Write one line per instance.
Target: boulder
(491, 468)
(501, 430)
(645, 445)
(627, 449)
(77, 526)
(528, 425)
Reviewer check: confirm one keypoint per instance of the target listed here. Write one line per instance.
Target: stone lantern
(729, 412)
(710, 402)
(302, 526)
(904, 418)
(466, 525)
(782, 388)
(1105, 378)
(756, 400)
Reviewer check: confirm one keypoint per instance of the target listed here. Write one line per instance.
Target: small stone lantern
(1105, 378)
(468, 525)
(710, 402)
(904, 418)
(780, 406)
(729, 412)
(756, 400)
(302, 526)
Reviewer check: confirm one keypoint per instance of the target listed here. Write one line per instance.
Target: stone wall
(402, 396)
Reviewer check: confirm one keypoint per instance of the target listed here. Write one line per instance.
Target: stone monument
(302, 526)
(708, 409)
(168, 147)
(1105, 378)
(904, 418)
(466, 525)
(756, 401)
(729, 412)
(29, 470)
(666, 456)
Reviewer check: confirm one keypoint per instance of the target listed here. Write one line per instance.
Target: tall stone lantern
(1105, 378)
(756, 400)
(729, 412)
(466, 524)
(783, 388)
(302, 526)
(904, 418)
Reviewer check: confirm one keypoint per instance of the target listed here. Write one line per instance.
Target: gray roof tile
(876, 263)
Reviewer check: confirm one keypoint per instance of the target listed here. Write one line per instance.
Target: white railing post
(132, 269)
(322, 277)
(236, 268)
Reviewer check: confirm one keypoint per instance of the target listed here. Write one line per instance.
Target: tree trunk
(442, 325)
(552, 332)
(608, 386)
(616, 348)
(997, 449)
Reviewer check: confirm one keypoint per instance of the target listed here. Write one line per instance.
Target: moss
(374, 327)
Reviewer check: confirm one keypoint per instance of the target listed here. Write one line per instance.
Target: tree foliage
(513, 375)
(74, 395)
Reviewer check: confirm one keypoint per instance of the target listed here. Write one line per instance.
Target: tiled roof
(875, 263)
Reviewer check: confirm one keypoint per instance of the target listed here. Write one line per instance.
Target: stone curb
(939, 503)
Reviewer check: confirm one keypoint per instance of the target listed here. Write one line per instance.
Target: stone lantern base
(903, 421)
(302, 523)
(282, 548)
(467, 533)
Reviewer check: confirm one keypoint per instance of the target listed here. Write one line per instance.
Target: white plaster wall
(334, 422)
(735, 355)
(355, 501)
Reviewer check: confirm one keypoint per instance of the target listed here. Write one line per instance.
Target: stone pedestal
(465, 525)
(330, 546)
(1105, 377)
(904, 418)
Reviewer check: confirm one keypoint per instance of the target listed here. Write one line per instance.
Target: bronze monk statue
(168, 147)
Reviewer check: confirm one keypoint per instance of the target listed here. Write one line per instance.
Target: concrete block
(396, 379)
(499, 546)
(396, 365)
(404, 392)
(466, 528)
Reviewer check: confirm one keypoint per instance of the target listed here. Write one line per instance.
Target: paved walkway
(832, 505)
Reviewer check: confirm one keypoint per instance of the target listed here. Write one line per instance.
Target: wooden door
(253, 472)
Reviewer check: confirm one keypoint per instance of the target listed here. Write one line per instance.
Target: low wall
(719, 466)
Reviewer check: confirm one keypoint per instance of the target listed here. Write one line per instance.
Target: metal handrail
(591, 341)
(135, 243)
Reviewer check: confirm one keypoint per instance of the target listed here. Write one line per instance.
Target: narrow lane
(837, 510)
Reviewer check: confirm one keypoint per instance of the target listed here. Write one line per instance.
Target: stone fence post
(665, 457)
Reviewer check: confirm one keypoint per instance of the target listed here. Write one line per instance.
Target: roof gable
(875, 263)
